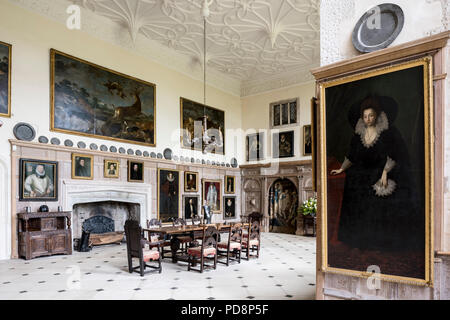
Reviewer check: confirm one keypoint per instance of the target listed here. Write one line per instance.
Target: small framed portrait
(255, 147)
(168, 195)
(307, 141)
(190, 206)
(190, 181)
(135, 171)
(230, 184)
(283, 144)
(229, 204)
(212, 195)
(38, 180)
(111, 169)
(82, 166)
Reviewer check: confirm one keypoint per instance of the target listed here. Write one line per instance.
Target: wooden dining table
(189, 230)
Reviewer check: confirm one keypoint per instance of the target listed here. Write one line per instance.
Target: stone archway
(283, 205)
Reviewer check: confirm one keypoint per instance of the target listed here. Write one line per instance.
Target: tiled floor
(285, 270)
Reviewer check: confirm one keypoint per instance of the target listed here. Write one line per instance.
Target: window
(284, 113)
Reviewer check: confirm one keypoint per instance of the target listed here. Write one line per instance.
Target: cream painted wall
(256, 117)
(32, 36)
(338, 19)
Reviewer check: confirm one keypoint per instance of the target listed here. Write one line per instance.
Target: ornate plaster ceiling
(248, 40)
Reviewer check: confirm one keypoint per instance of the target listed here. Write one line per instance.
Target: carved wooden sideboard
(44, 234)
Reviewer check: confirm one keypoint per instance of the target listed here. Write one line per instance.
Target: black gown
(374, 222)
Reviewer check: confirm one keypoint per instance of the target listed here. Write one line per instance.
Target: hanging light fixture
(205, 14)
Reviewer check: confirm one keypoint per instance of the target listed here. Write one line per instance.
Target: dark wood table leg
(174, 246)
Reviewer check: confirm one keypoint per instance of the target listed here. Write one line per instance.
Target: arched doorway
(283, 205)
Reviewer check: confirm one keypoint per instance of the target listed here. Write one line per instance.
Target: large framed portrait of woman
(376, 179)
(212, 194)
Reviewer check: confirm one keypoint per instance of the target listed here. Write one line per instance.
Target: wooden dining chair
(207, 251)
(232, 246)
(136, 248)
(197, 221)
(252, 240)
(154, 224)
(184, 240)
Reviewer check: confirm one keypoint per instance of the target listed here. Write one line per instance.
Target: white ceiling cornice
(252, 45)
(288, 79)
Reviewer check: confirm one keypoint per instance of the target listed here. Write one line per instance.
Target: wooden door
(59, 243)
(39, 245)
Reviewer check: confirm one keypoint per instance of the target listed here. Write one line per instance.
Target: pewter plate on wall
(24, 131)
(378, 28)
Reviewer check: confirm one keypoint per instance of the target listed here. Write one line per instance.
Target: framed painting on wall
(229, 207)
(376, 168)
(82, 166)
(255, 146)
(190, 181)
(135, 171)
(212, 195)
(5, 79)
(230, 184)
(168, 195)
(283, 144)
(307, 141)
(190, 207)
(202, 127)
(111, 168)
(38, 180)
(90, 100)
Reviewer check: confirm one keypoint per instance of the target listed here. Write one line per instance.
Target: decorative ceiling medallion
(378, 27)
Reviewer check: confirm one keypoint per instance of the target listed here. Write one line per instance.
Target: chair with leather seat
(136, 248)
(154, 224)
(207, 251)
(197, 221)
(251, 241)
(230, 249)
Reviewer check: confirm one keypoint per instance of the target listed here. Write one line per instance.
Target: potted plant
(309, 207)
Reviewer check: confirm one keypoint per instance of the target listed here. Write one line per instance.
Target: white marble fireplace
(83, 192)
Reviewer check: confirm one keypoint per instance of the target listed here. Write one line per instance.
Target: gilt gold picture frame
(135, 171)
(212, 194)
(376, 171)
(111, 169)
(5, 79)
(190, 181)
(82, 166)
(124, 106)
(169, 195)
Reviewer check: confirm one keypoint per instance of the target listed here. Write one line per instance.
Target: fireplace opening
(104, 221)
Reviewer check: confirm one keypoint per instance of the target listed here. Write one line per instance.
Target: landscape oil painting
(94, 101)
(5, 79)
(202, 127)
